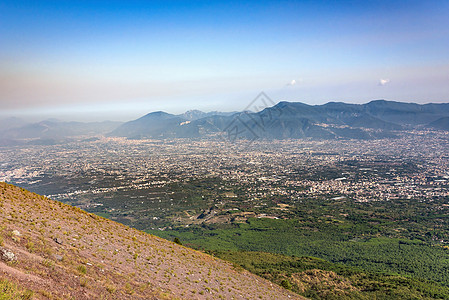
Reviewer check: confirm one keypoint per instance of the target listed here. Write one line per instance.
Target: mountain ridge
(333, 120)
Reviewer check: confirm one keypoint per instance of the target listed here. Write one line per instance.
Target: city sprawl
(153, 184)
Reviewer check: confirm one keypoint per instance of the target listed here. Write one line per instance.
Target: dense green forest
(319, 279)
(382, 250)
(414, 258)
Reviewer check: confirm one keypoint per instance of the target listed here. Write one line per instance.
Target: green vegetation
(82, 269)
(393, 267)
(10, 291)
(286, 284)
(318, 279)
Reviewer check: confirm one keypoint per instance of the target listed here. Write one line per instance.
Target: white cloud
(294, 82)
(383, 82)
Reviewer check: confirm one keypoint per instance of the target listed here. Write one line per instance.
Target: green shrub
(82, 269)
(286, 284)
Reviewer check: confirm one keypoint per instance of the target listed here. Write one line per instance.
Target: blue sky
(121, 59)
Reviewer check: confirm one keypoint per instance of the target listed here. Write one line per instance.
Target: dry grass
(97, 258)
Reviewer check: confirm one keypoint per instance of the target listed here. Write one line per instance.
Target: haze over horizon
(119, 60)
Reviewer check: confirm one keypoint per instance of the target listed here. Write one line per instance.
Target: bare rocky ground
(62, 252)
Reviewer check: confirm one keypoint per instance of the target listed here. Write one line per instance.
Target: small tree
(177, 241)
(286, 284)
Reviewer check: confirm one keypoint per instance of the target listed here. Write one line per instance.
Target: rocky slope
(55, 251)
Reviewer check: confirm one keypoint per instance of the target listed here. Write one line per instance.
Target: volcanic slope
(50, 250)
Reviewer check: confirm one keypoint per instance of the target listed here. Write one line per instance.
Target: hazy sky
(121, 59)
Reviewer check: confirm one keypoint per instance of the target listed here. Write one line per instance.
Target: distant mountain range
(334, 120)
(52, 131)
(375, 119)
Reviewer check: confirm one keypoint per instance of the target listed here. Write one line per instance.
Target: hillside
(50, 250)
(441, 124)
